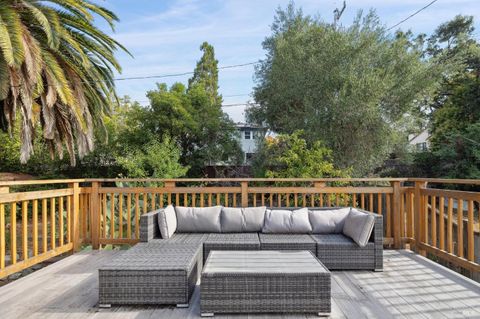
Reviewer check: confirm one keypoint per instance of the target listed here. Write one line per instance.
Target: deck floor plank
(409, 287)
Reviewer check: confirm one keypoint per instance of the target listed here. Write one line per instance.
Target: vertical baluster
(320, 195)
(202, 200)
(169, 198)
(104, 221)
(329, 203)
(408, 204)
(13, 233)
(337, 200)
(145, 202)
(279, 200)
(460, 227)
(254, 199)
(44, 225)
(470, 234)
(402, 216)
(295, 200)
(263, 199)
(287, 199)
(120, 215)
(271, 199)
(234, 199)
(25, 230)
(441, 222)
(112, 215)
(434, 220)
(304, 200)
(362, 201)
(194, 199)
(69, 219)
(425, 218)
(60, 220)
(185, 199)
(450, 226)
(312, 200)
(389, 216)
(177, 199)
(137, 215)
(35, 226)
(370, 202)
(152, 204)
(129, 215)
(209, 199)
(354, 202)
(52, 224)
(379, 204)
(2, 236)
(226, 199)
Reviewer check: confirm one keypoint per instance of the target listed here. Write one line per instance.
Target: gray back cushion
(358, 226)
(287, 221)
(328, 221)
(198, 220)
(237, 220)
(167, 221)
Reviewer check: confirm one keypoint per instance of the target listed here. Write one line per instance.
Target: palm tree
(56, 70)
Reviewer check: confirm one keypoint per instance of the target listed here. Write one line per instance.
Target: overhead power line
(412, 15)
(182, 73)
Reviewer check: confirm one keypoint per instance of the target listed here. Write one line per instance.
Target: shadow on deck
(410, 287)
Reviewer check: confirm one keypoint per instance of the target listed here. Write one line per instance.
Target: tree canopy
(56, 71)
(346, 86)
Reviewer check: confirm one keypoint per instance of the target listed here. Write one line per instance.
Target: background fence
(42, 219)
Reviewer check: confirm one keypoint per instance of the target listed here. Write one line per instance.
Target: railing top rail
(445, 181)
(216, 180)
(41, 182)
(246, 179)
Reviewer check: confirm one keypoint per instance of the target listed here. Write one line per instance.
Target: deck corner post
(418, 216)
(95, 215)
(244, 187)
(397, 214)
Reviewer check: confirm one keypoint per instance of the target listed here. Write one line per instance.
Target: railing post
(94, 215)
(244, 186)
(397, 214)
(418, 216)
(76, 216)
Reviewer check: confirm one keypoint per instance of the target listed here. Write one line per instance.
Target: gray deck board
(410, 287)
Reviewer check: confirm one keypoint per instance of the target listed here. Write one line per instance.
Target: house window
(254, 135)
(248, 135)
(421, 146)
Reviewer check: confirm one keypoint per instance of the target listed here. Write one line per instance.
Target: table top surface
(263, 261)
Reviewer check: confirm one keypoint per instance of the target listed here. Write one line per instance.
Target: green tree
(56, 71)
(157, 159)
(194, 117)
(287, 156)
(346, 86)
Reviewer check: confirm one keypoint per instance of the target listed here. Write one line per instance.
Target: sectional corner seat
(175, 242)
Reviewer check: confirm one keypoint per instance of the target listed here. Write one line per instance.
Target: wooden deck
(410, 287)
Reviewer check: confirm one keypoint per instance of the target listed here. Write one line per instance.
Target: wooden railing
(36, 225)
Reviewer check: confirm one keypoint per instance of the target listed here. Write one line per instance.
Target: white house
(419, 142)
(250, 135)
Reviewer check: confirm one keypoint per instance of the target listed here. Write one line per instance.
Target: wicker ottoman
(230, 241)
(151, 273)
(264, 282)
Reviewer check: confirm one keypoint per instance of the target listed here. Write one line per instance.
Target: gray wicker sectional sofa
(176, 242)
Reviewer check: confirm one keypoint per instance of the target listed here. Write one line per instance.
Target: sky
(164, 36)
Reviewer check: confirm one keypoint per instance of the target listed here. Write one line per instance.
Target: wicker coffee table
(264, 282)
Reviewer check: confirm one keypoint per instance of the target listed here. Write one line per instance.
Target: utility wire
(181, 74)
(412, 15)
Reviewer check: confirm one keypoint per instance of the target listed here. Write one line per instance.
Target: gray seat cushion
(237, 220)
(167, 221)
(328, 221)
(287, 221)
(358, 226)
(231, 241)
(198, 220)
(287, 242)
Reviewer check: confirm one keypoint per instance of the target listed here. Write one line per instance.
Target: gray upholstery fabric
(287, 221)
(358, 226)
(328, 221)
(241, 220)
(167, 221)
(198, 220)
